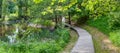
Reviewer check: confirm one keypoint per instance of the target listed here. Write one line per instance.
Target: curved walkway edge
(84, 43)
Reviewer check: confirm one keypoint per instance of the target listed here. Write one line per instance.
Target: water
(12, 38)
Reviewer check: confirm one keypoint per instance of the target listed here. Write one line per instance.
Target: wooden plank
(84, 43)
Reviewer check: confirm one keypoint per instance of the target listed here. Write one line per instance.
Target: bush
(115, 37)
(114, 20)
(32, 43)
(101, 23)
(35, 47)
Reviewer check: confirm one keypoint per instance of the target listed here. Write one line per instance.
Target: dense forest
(39, 26)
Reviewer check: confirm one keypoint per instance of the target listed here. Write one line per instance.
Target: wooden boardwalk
(84, 43)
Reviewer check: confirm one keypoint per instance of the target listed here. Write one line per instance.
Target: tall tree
(1, 8)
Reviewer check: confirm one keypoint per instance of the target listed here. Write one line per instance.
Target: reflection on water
(12, 38)
(6, 30)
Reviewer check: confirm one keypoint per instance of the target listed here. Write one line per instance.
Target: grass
(100, 23)
(115, 37)
(110, 28)
(98, 48)
(102, 44)
(70, 45)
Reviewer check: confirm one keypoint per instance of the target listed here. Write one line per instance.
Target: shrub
(114, 20)
(32, 43)
(34, 47)
(115, 37)
(101, 23)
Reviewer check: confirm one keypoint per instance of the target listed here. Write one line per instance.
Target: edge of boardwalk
(84, 43)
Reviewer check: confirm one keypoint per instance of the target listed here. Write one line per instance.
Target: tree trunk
(1, 8)
(56, 19)
(69, 19)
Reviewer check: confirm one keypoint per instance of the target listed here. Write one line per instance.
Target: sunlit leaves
(37, 1)
(78, 10)
(43, 13)
(65, 8)
(59, 8)
(99, 7)
(49, 9)
(72, 2)
(61, 1)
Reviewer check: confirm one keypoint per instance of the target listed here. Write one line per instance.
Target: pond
(5, 31)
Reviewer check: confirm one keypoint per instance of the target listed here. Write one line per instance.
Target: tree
(99, 7)
(114, 17)
(52, 9)
(1, 8)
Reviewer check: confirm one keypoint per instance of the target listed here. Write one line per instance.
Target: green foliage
(78, 12)
(48, 9)
(64, 34)
(35, 47)
(99, 7)
(109, 24)
(75, 17)
(38, 41)
(52, 9)
(43, 22)
(101, 23)
(37, 1)
(43, 12)
(114, 20)
(115, 37)
(11, 7)
(1, 8)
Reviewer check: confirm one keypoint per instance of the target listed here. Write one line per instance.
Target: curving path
(84, 43)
